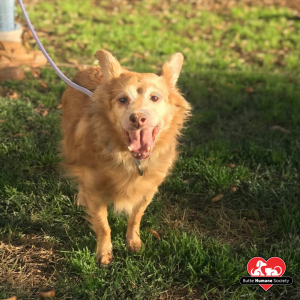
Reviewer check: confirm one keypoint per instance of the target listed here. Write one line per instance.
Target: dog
(120, 144)
(258, 271)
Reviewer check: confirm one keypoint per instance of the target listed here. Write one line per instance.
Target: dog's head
(141, 103)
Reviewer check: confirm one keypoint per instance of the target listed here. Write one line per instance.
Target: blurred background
(215, 34)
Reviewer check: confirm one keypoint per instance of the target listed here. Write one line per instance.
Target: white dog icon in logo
(258, 271)
(276, 271)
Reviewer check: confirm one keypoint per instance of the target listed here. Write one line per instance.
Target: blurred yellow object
(11, 298)
(49, 294)
(13, 55)
(217, 198)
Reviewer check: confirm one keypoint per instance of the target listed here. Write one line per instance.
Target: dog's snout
(138, 119)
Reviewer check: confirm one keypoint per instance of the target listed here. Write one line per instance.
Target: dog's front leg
(133, 239)
(97, 211)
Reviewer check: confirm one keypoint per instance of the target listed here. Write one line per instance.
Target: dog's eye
(123, 100)
(154, 98)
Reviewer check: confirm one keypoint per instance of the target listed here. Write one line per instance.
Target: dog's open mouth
(141, 141)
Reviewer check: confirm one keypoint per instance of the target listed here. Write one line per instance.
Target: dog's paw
(104, 259)
(134, 245)
(104, 254)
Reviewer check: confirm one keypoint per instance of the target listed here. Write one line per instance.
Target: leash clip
(138, 164)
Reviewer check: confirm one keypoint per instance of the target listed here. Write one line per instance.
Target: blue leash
(56, 69)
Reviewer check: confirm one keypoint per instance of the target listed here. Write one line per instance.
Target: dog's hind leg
(133, 239)
(97, 216)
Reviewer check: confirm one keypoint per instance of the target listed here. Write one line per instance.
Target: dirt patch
(178, 293)
(215, 221)
(27, 265)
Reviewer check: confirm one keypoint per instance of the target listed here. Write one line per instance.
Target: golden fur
(95, 152)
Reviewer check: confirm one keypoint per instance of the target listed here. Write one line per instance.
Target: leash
(60, 74)
(56, 69)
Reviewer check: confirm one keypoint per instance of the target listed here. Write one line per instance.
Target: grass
(241, 75)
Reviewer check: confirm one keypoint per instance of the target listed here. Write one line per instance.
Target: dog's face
(140, 105)
(140, 102)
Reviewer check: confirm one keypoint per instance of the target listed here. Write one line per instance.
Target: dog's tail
(89, 78)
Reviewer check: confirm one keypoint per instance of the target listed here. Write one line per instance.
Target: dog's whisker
(116, 90)
(121, 84)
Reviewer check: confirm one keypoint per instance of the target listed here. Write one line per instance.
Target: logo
(266, 273)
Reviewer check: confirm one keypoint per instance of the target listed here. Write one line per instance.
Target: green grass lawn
(242, 76)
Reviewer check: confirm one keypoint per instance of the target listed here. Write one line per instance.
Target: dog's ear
(110, 66)
(172, 68)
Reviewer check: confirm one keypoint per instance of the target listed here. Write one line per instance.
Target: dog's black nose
(138, 120)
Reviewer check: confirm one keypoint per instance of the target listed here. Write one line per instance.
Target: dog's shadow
(232, 117)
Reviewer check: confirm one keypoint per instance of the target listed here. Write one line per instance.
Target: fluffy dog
(120, 144)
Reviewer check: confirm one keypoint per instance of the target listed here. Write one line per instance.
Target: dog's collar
(136, 162)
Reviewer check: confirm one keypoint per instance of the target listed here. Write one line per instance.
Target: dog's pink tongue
(141, 140)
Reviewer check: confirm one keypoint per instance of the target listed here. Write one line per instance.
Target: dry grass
(181, 293)
(223, 224)
(221, 6)
(27, 264)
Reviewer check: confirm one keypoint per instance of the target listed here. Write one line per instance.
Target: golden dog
(121, 143)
